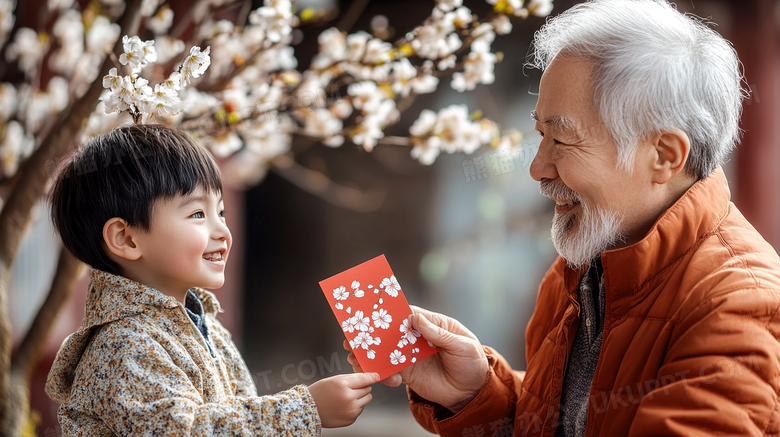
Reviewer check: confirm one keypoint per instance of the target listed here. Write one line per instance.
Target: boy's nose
(221, 231)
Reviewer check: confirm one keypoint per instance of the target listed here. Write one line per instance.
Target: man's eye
(554, 140)
(198, 214)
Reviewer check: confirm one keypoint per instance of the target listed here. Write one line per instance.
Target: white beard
(579, 238)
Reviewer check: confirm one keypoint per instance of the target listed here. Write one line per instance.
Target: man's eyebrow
(559, 123)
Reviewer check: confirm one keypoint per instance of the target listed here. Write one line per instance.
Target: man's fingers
(360, 380)
(347, 346)
(442, 338)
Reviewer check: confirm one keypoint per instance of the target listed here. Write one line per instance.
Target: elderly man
(660, 317)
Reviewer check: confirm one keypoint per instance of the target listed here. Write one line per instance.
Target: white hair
(655, 69)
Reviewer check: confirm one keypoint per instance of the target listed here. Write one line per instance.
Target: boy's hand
(340, 399)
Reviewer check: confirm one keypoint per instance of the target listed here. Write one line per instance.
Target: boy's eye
(222, 213)
(198, 214)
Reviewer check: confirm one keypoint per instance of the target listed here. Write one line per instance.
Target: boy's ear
(120, 239)
(672, 148)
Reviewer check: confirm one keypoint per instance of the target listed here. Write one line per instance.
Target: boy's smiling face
(187, 245)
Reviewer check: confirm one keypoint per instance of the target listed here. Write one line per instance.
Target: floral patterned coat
(138, 365)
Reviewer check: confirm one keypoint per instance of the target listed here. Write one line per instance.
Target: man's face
(188, 243)
(598, 205)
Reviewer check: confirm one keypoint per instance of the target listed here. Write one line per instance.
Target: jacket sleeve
(496, 400)
(721, 373)
(134, 386)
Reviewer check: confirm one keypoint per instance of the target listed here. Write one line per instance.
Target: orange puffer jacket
(690, 344)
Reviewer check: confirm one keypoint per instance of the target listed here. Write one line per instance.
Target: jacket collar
(678, 229)
(113, 297)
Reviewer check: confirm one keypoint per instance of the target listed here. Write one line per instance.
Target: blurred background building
(473, 249)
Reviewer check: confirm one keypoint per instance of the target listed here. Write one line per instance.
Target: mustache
(557, 189)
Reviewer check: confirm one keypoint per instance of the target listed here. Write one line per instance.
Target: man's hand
(340, 399)
(454, 375)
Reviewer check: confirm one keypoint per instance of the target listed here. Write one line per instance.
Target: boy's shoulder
(124, 318)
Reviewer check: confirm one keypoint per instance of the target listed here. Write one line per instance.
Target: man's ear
(120, 239)
(672, 148)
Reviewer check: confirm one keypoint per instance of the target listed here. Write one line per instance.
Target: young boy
(142, 205)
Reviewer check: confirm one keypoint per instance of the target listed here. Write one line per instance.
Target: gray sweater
(584, 354)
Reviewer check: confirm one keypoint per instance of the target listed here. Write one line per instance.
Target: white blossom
(102, 35)
(448, 5)
(502, 25)
(69, 31)
(163, 102)
(341, 108)
(447, 62)
(8, 101)
(333, 47)
(137, 53)
(167, 48)
(424, 123)
(484, 35)
(14, 146)
(377, 52)
(375, 120)
(54, 5)
(58, 94)
(462, 17)
(224, 145)
(356, 46)
(195, 64)
(282, 58)
(478, 68)
(161, 21)
(28, 48)
(148, 7)
(450, 130)
(426, 151)
(273, 21)
(364, 94)
(6, 18)
(540, 8)
(437, 39)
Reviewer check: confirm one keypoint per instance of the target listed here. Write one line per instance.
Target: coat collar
(677, 230)
(113, 297)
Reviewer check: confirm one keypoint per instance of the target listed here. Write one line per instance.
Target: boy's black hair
(121, 174)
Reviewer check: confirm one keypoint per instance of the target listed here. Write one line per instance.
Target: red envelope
(374, 315)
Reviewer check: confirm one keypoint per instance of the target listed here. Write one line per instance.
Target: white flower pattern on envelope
(396, 357)
(391, 286)
(340, 293)
(381, 318)
(410, 334)
(361, 323)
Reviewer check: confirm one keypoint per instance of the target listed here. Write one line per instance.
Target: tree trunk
(34, 342)
(29, 187)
